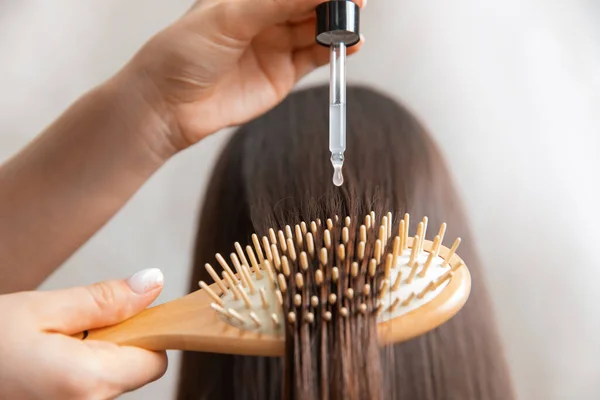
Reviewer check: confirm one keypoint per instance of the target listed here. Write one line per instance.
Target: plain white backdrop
(510, 90)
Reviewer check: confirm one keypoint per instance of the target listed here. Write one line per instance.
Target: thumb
(106, 303)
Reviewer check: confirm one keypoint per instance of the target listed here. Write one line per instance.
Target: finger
(308, 59)
(260, 14)
(124, 368)
(311, 15)
(106, 303)
(302, 35)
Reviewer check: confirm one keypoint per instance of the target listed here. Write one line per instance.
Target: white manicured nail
(146, 280)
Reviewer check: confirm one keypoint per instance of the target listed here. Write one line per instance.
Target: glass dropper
(337, 110)
(338, 29)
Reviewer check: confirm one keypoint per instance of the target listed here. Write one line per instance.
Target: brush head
(321, 271)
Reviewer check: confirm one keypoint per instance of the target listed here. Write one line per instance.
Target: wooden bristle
(329, 224)
(407, 301)
(275, 319)
(234, 314)
(310, 244)
(413, 272)
(257, 248)
(442, 232)
(406, 230)
(213, 274)
(431, 256)
(395, 251)
(313, 228)
(276, 259)
(363, 233)
(368, 221)
(367, 290)
(292, 317)
(344, 312)
(394, 305)
(314, 301)
(255, 266)
(279, 296)
(288, 232)
(238, 269)
(414, 252)
(241, 255)
(299, 281)
(388, 266)
(350, 293)
(272, 236)
(297, 300)
(402, 235)
(373, 217)
(345, 235)
(417, 242)
(383, 235)
(226, 268)
(251, 286)
(397, 282)
(332, 298)
(424, 291)
(327, 238)
(354, 270)
(389, 224)
(424, 235)
(318, 222)
(220, 310)
(319, 277)
(285, 266)
(347, 221)
(299, 236)
(341, 252)
(270, 272)
(267, 248)
(245, 297)
(451, 252)
(282, 242)
(282, 284)
(303, 261)
(310, 317)
(372, 267)
(335, 273)
(256, 320)
(360, 251)
(327, 316)
(232, 285)
(263, 298)
(291, 249)
(303, 228)
(210, 292)
(323, 257)
(377, 251)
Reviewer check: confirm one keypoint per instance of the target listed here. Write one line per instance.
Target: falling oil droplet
(338, 178)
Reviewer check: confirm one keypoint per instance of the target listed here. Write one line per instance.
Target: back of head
(275, 171)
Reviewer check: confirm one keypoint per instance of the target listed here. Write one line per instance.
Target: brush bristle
(323, 272)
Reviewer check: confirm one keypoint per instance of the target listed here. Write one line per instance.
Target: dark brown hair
(276, 171)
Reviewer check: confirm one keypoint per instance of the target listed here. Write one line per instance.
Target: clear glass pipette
(337, 110)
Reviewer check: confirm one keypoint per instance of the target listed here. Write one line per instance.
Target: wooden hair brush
(341, 268)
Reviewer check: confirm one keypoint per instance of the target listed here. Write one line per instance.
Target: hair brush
(313, 271)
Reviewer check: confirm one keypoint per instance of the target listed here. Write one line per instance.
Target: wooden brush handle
(187, 323)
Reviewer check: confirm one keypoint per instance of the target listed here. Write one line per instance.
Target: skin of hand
(39, 359)
(226, 62)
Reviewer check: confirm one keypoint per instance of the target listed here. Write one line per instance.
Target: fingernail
(146, 280)
(364, 4)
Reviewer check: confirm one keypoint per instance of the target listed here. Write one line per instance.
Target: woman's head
(275, 171)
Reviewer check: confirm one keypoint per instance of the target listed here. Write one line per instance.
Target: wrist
(146, 115)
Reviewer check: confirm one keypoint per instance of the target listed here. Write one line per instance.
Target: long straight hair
(276, 171)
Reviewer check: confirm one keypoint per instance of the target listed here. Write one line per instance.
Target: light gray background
(510, 89)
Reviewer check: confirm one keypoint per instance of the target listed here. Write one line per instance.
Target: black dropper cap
(338, 21)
